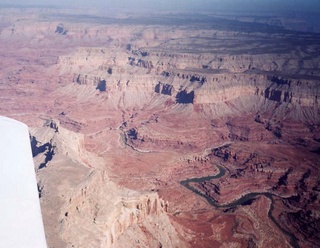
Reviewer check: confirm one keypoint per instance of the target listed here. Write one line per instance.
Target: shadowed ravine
(240, 201)
(121, 107)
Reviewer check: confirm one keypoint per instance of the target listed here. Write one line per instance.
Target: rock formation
(123, 112)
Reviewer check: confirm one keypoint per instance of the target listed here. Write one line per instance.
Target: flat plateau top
(20, 214)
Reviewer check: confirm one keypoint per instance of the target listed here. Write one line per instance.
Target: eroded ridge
(123, 110)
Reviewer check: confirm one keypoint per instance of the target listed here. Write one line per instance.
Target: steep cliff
(123, 110)
(101, 213)
(105, 215)
(145, 77)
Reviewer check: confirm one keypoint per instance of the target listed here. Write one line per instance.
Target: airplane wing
(21, 223)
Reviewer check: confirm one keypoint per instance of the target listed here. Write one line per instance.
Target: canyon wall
(99, 212)
(123, 110)
(116, 217)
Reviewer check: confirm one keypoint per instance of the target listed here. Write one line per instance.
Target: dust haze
(169, 123)
(183, 5)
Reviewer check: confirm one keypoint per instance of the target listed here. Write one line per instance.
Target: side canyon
(168, 130)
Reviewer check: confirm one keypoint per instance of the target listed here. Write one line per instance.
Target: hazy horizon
(182, 5)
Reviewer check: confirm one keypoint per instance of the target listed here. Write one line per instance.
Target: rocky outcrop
(54, 139)
(87, 80)
(186, 85)
(142, 107)
(110, 218)
(165, 89)
(105, 214)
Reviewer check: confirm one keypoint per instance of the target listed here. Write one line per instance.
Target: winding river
(241, 201)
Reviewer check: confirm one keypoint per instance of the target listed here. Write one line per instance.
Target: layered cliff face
(123, 111)
(124, 63)
(99, 212)
(116, 217)
(124, 76)
(171, 69)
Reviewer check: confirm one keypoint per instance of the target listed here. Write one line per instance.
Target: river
(241, 201)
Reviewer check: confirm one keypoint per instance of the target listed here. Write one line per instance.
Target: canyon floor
(168, 130)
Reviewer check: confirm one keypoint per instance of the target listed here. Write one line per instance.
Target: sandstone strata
(123, 111)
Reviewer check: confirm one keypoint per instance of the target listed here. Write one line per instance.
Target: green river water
(241, 201)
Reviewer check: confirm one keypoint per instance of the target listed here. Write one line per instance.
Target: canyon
(167, 130)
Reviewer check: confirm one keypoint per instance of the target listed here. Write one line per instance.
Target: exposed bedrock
(52, 138)
(165, 89)
(106, 215)
(124, 78)
(98, 211)
(142, 107)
